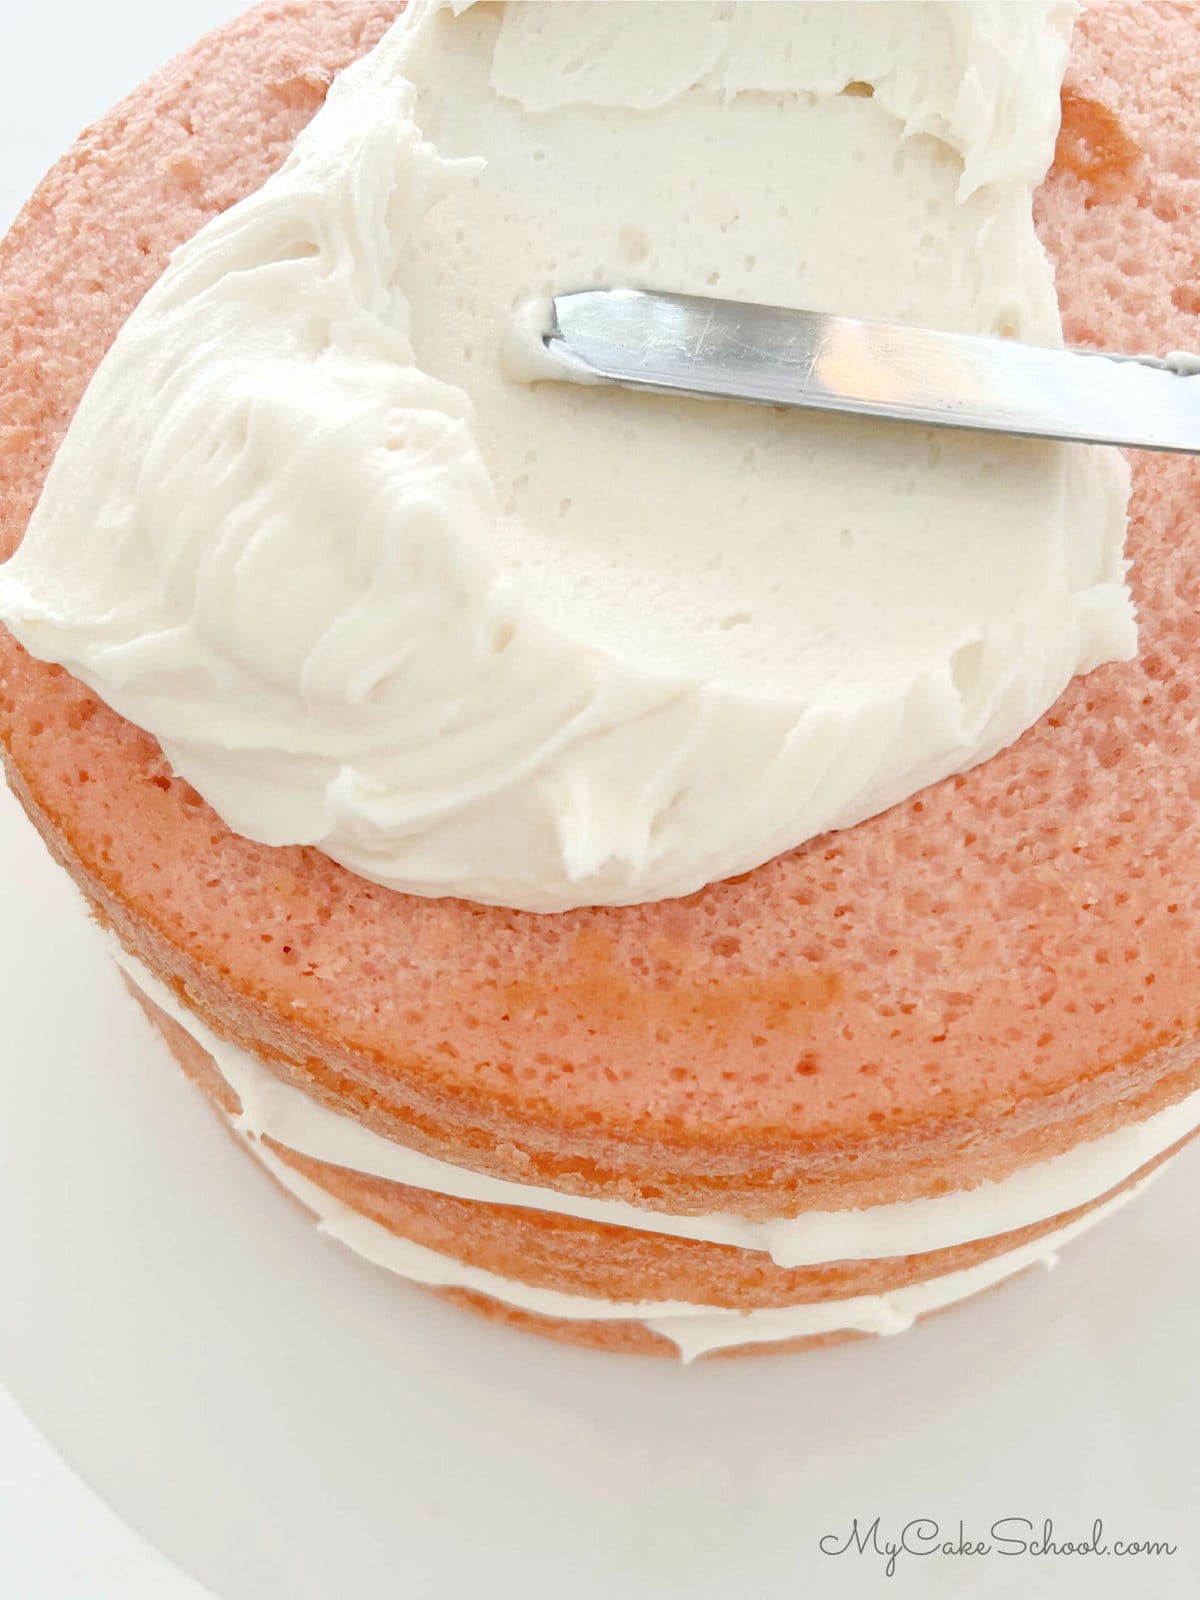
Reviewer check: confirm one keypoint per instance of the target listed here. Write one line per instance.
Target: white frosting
(1183, 363)
(1032, 1194)
(547, 646)
(694, 1329)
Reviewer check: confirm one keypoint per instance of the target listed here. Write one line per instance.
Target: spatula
(692, 345)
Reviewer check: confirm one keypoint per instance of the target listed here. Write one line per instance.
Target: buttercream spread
(550, 646)
(269, 1107)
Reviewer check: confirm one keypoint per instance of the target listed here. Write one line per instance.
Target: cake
(821, 1097)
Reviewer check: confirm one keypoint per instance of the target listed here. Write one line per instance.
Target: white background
(502, 1461)
(61, 66)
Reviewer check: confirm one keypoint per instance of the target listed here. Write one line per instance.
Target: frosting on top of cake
(549, 646)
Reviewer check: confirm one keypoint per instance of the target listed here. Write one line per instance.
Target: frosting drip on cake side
(548, 646)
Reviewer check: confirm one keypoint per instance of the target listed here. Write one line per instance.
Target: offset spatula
(688, 344)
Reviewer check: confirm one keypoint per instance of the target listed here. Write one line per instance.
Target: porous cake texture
(980, 979)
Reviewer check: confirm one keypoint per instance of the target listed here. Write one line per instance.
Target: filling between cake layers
(694, 1329)
(553, 646)
(296, 1122)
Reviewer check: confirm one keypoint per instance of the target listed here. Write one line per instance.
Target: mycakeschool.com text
(1005, 1537)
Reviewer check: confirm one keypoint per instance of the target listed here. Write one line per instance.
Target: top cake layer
(546, 646)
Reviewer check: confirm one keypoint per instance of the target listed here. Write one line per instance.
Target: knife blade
(724, 349)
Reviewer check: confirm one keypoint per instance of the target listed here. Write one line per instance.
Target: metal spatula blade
(692, 345)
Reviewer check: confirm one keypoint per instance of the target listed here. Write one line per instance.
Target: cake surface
(975, 981)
